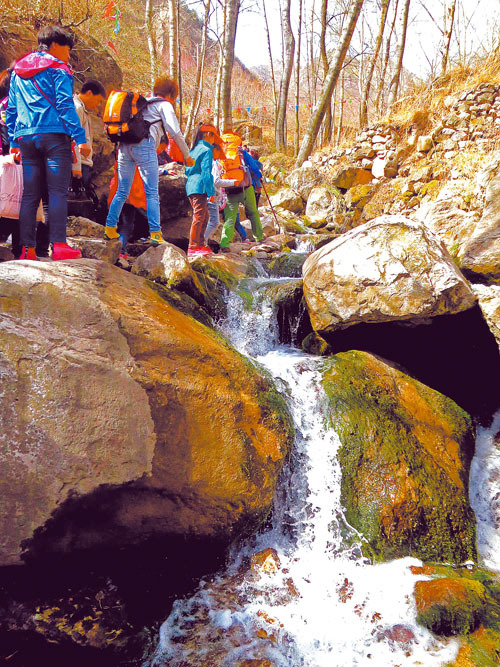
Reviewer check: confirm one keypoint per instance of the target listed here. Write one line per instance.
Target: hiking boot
(224, 249)
(28, 253)
(156, 238)
(62, 251)
(110, 233)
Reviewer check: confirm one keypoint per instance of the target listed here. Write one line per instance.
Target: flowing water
(311, 598)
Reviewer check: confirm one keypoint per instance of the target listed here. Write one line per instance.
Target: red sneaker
(195, 251)
(28, 253)
(207, 250)
(64, 251)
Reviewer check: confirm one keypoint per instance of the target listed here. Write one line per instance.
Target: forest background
(310, 72)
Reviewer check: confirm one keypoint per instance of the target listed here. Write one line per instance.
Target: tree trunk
(231, 10)
(153, 57)
(329, 84)
(448, 30)
(218, 83)
(198, 86)
(327, 123)
(341, 108)
(173, 60)
(289, 48)
(179, 68)
(394, 87)
(297, 85)
(363, 115)
(271, 63)
(386, 59)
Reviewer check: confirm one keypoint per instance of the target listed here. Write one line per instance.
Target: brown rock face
(122, 417)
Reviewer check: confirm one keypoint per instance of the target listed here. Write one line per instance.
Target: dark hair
(197, 135)
(5, 82)
(50, 34)
(165, 87)
(95, 87)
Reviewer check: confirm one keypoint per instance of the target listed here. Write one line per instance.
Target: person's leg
(213, 221)
(147, 163)
(257, 196)
(126, 171)
(33, 168)
(57, 150)
(253, 213)
(230, 213)
(126, 224)
(200, 211)
(239, 228)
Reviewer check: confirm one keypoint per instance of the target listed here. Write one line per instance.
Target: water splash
(300, 592)
(485, 493)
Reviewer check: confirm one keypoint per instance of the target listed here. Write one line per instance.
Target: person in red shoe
(200, 185)
(42, 121)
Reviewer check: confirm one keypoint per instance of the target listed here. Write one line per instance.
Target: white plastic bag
(11, 187)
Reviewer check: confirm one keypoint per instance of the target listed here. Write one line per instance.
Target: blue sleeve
(206, 173)
(253, 164)
(11, 112)
(63, 86)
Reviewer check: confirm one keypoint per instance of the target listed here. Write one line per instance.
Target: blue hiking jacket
(199, 177)
(29, 111)
(255, 167)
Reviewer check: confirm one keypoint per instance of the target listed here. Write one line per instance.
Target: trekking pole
(272, 207)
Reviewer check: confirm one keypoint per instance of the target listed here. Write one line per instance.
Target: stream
(300, 591)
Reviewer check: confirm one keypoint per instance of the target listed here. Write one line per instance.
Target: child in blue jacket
(200, 186)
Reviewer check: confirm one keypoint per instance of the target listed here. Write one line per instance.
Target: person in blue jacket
(200, 185)
(42, 121)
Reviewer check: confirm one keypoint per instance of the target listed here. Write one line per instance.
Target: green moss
(183, 302)
(368, 415)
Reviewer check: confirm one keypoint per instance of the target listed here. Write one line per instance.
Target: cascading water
(309, 598)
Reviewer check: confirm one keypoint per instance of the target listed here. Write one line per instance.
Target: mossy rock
(431, 188)
(405, 455)
(480, 649)
(358, 196)
(287, 264)
(314, 344)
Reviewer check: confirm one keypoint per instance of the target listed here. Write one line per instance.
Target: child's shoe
(156, 238)
(62, 251)
(28, 253)
(110, 233)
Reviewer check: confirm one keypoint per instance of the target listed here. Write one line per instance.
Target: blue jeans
(141, 155)
(46, 158)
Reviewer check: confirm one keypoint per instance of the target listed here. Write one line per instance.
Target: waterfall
(310, 599)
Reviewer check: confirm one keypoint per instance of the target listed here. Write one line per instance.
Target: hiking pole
(272, 207)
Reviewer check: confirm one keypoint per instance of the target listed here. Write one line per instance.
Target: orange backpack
(232, 163)
(123, 117)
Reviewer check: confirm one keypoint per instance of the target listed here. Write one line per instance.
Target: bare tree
(198, 86)
(363, 114)
(329, 84)
(297, 84)
(150, 33)
(394, 87)
(231, 10)
(289, 49)
(448, 21)
(386, 59)
(271, 63)
(327, 122)
(173, 39)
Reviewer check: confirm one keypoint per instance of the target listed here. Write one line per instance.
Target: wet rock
(388, 269)
(314, 344)
(287, 264)
(450, 606)
(266, 561)
(405, 457)
(112, 435)
(488, 297)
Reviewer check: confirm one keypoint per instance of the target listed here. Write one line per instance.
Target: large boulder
(288, 199)
(481, 259)
(123, 418)
(388, 269)
(347, 176)
(405, 456)
(304, 179)
(488, 298)
(322, 204)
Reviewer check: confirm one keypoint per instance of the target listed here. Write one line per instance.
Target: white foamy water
(323, 605)
(485, 494)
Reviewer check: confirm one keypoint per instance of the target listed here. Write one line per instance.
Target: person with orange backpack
(241, 193)
(153, 120)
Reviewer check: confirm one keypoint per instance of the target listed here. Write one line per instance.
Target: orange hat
(213, 130)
